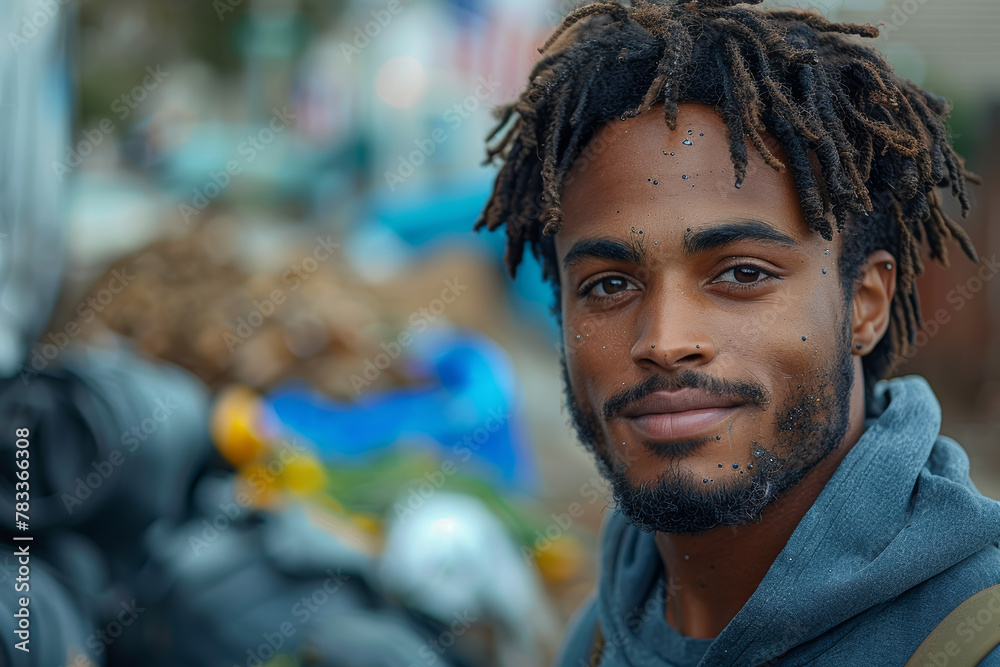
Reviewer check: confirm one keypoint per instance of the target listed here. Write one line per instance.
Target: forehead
(639, 172)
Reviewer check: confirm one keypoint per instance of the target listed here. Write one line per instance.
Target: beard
(810, 425)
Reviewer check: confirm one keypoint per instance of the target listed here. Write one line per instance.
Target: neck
(711, 576)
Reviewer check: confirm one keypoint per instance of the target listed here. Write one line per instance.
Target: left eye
(742, 274)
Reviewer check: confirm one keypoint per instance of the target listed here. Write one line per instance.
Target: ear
(872, 308)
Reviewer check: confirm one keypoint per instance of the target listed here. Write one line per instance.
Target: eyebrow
(718, 236)
(694, 242)
(602, 248)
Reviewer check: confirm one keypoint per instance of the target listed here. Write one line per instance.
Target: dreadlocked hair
(876, 140)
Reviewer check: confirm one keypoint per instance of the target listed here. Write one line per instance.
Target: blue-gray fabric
(898, 538)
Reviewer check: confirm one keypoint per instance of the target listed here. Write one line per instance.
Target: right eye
(608, 286)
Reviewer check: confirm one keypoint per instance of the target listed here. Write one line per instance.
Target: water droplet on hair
(738, 184)
(688, 142)
(684, 176)
(750, 466)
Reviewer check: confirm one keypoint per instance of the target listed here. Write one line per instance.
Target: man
(731, 204)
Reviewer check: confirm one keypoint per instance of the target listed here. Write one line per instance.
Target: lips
(680, 414)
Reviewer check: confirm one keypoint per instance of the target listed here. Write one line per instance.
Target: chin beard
(806, 431)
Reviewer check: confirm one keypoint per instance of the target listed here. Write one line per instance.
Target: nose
(670, 332)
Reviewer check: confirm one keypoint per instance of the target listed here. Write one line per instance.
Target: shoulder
(891, 632)
(575, 649)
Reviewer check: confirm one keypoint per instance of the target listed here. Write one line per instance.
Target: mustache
(744, 392)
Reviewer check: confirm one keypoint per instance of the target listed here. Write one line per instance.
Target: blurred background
(305, 416)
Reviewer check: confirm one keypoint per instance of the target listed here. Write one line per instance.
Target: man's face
(707, 337)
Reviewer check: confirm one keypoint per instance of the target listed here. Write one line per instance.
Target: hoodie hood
(874, 532)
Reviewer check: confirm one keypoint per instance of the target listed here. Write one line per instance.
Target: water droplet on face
(705, 481)
(735, 466)
(652, 346)
(656, 182)
(698, 346)
(664, 152)
(750, 466)
(617, 211)
(690, 131)
(718, 437)
(684, 176)
(649, 179)
(824, 272)
(826, 252)
(671, 153)
(738, 184)
(701, 134)
(720, 465)
(803, 338)
(688, 142)
(686, 557)
(578, 335)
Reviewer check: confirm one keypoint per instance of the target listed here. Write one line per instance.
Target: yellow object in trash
(303, 476)
(562, 560)
(234, 426)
